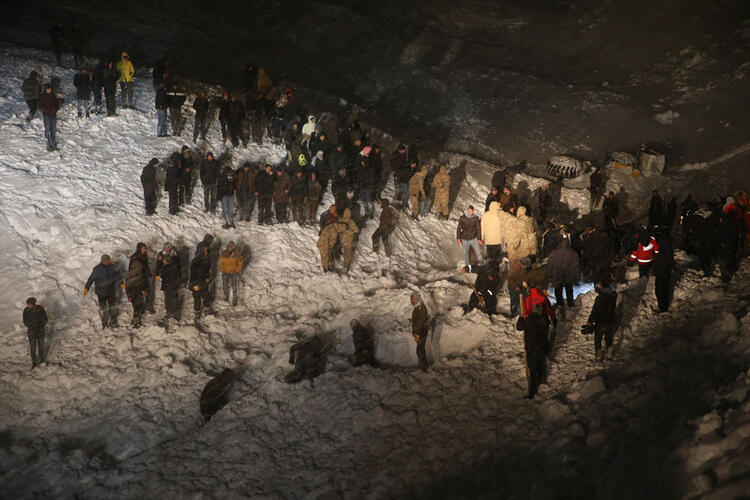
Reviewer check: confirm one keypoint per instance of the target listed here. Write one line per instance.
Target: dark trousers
(109, 96)
(264, 208)
(200, 127)
(201, 298)
(381, 235)
(149, 197)
(36, 344)
(172, 303)
(663, 290)
(568, 293)
(224, 128)
(245, 204)
(490, 303)
(421, 351)
(537, 367)
(31, 103)
(209, 198)
(107, 310)
(280, 209)
(298, 205)
(644, 269)
(495, 253)
(139, 307)
(173, 201)
(606, 331)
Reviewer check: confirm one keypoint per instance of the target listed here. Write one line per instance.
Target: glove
(122, 285)
(196, 288)
(85, 291)
(416, 337)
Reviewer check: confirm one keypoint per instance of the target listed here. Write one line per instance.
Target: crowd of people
(519, 239)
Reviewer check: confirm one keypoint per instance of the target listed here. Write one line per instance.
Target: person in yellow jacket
(230, 265)
(417, 196)
(441, 183)
(127, 80)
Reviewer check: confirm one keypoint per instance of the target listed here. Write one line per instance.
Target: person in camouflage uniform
(416, 191)
(441, 184)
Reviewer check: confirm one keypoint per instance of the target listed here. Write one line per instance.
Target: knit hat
(105, 258)
(31, 300)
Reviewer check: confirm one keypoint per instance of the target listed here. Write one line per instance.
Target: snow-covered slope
(115, 413)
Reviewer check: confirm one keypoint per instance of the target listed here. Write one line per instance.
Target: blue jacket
(106, 279)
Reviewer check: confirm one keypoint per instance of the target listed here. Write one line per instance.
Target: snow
(115, 413)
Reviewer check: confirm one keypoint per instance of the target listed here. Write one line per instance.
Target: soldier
(348, 231)
(297, 192)
(326, 242)
(441, 184)
(417, 196)
(34, 319)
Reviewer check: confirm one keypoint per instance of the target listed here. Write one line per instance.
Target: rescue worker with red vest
(644, 252)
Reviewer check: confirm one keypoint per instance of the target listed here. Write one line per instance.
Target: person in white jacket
(494, 228)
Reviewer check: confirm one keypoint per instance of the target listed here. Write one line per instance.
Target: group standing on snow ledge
(525, 240)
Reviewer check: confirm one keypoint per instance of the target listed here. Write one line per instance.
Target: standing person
(388, 220)
(327, 240)
(35, 319)
(417, 196)
(597, 253)
(297, 191)
(420, 328)
(223, 106)
(645, 251)
(663, 263)
(82, 83)
(543, 201)
(493, 196)
(508, 200)
(148, 181)
(186, 176)
(127, 80)
(175, 99)
(264, 191)
(246, 190)
(535, 329)
(97, 82)
(225, 190)
(161, 103)
(563, 266)
(493, 235)
(172, 183)
(610, 211)
(48, 105)
(200, 105)
(655, 210)
(364, 345)
(603, 319)
(441, 183)
(367, 179)
(399, 165)
(200, 279)
(727, 237)
(111, 76)
(281, 186)
(57, 34)
(32, 88)
(236, 120)
(170, 273)
(230, 265)
(106, 278)
(596, 187)
(209, 176)
(137, 282)
(516, 290)
(312, 198)
(468, 233)
(348, 231)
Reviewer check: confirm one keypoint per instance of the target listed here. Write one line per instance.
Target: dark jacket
(337, 161)
(176, 98)
(172, 179)
(298, 187)
(200, 105)
(246, 183)
(209, 172)
(226, 183)
(82, 83)
(161, 101)
(48, 104)
(563, 265)
(148, 175)
(597, 248)
(604, 311)
(610, 208)
(236, 113)
(31, 87)
(171, 274)
(484, 285)
(281, 186)
(387, 218)
(420, 320)
(264, 182)
(34, 318)
(399, 164)
(200, 272)
(105, 278)
(367, 177)
(490, 198)
(468, 227)
(111, 75)
(535, 330)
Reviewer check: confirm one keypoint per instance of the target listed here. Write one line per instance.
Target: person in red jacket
(644, 252)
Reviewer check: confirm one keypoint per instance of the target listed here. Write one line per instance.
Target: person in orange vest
(644, 252)
(230, 265)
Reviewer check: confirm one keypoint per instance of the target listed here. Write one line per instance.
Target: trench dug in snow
(115, 413)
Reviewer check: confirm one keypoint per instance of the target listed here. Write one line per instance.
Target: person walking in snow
(111, 76)
(200, 280)
(348, 231)
(225, 190)
(161, 103)
(82, 83)
(281, 185)
(49, 105)
(326, 242)
(563, 266)
(186, 176)
(137, 282)
(535, 327)
(105, 277)
(663, 263)
(603, 319)
(148, 181)
(441, 184)
(127, 80)
(172, 182)
(655, 210)
(646, 249)
(264, 182)
(35, 319)
(170, 275)
(230, 265)
(32, 88)
(246, 190)
(209, 174)
(417, 195)
(420, 328)
(175, 99)
(200, 105)
(388, 220)
(467, 235)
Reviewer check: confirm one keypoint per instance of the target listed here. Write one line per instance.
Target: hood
(124, 55)
(153, 162)
(417, 298)
(347, 216)
(494, 207)
(521, 211)
(311, 119)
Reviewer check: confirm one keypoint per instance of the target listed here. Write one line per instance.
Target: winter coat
(176, 98)
(664, 260)
(399, 165)
(225, 183)
(245, 183)
(172, 179)
(498, 179)
(610, 208)
(264, 182)
(367, 177)
(309, 128)
(200, 105)
(347, 228)
(416, 183)
(516, 274)
(337, 161)
(441, 183)
(31, 87)
(230, 261)
(468, 227)
(111, 75)
(484, 285)
(135, 282)
(340, 185)
(313, 190)
(105, 280)
(171, 274)
(48, 104)
(604, 311)
(200, 272)
(34, 317)
(82, 83)
(388, 217)
(298, 187)
(490, 198)
(644, 254)
(125, 68)
(161, 100)
(223, 106)
(597, 248)
(236, 113)
(563, 265)
(281, 187)
(521, 236)
(494, 225)
(148, 175)
(209, 172)
(142, 258)
(420, 318)
(535, 329)
(534, 297)
(264, 83)
(508, 202)
(655, 210)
